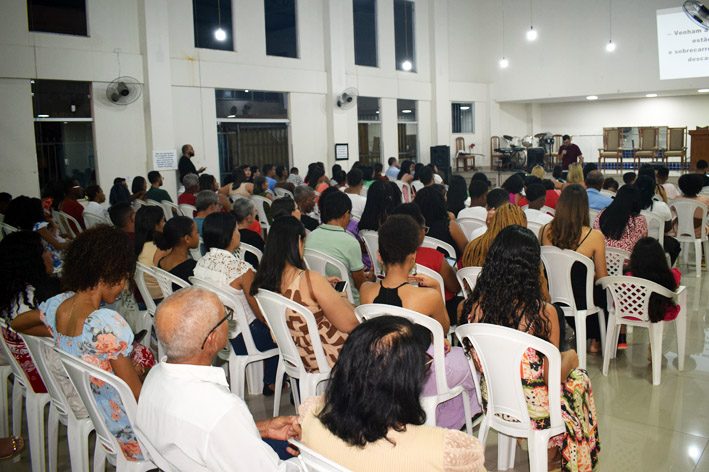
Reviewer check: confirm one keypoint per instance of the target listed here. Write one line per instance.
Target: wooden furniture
(676, 146)
(612, 147)
(495, 144)
(462, 155)
(552, 158)
(700, 146)
(649, 145)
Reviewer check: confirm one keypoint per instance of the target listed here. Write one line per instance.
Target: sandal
(15, 445)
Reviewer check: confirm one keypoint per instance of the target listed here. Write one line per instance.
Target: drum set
(515, 153)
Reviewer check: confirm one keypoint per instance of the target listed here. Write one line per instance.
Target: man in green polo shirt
(155, 192)
(331, 238)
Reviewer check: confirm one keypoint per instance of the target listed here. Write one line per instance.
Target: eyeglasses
(228, 317)
(425, 229)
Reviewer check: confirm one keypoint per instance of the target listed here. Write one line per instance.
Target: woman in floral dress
(97, 265)
(508, 293)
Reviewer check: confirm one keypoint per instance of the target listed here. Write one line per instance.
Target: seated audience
(588, 168)
(284, 206)
(432, 203)
(177, 238)
(331, 239)
(354, 187)
(495, 199)
(629, 178)
(367, 175)
(552, 195)
(380, 202)
(556, 176)
(245, 213)
(575, 175)
(663, 174)
(187, 414)
(155, 192)
(691, 185)
(514, 186)
(701, 169)
(304, 197)
(238, 187)
(316, 178)
(536, 196)
(221, 267)
(393, 170)
(27, 214)
(139, 188)
(610, 184)
(283, 271)
(206, 203)
(294, 177)
(405, 171)
(648, 170)
(119, 192)
(457, 194)
(269, 172)
(529, 180)
(425, 176)
(594, 182)
(123, 217)
(478, 199)
(282, 179)
(96, 197)
(538, 171)
(255, 172)
(149, 222)
(660, 209)
(70, 205)
(377, 172)
(621, 223)
(340, 180)
(335, 171)
(370, 417)
(81, 327)
(191, 183)
(498, 298)
(209, 182)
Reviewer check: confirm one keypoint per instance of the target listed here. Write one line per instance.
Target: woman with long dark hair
(514, 186)
(138, 188)
(177, 238)
(508, 293)
(380, 202)
(282, 270)
(149, 222)
(432, 203)
(371, 418)
(620, 222)
(457, 194)
(239, 187)
(405, 171)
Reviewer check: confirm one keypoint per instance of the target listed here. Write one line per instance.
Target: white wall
(19, 176)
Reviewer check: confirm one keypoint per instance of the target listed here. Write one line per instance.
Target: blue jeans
(264, 342)
(279, 447)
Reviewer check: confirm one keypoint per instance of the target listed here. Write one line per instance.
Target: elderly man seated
(187, 416)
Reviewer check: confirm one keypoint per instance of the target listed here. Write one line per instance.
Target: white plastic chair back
(558, 263)
(318, 262)
(417, 185)
(470, 224)
(534, 227)
(259, 203)
(500, 350)
(78, 429)
(371, 242)
(420, 269)
(437, 244)
(615, 258)
(6, 229)
(655, 226)
(137, 203)
(144, 319)
(248, 248)
(685, 209)
(592, 214)
(240, 366)
(69, 223)
(631, 301)
(429, 404)
(166, 279)
(81, 374)
(406, 191)
(91, 219)
(196, 253)
(364, 191)
(282, 192)
(549, 210)
(607, 193)
(274, 306)
(187, 210)
(167, 207)
(311, 461)
(60, 221)
(469, 276)
(152, 202)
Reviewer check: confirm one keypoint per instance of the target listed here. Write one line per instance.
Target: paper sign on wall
(342, 152)
(164, 159)
(682, 46)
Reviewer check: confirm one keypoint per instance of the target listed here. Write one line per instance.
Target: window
(57, 16)
(407, 129)
(252, 128)
(63, 131)
(370, 130)
(462, 117)
(281, 35)
(404, 16)
(212, 24)
(365, 32)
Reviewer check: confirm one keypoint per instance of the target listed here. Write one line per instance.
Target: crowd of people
(370, 417)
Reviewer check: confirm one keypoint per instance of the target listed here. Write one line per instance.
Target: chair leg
(538, 452)
(581, 339)
(482, 432)
(602, 328)
(18, 392)
(681, 328)
(35, 427)
(52, 439)
(610, 334)
(254, 377)
(5, 372)
(99, 457)
(505, 452)
(279, 387)
(698, 257)
(656, 345)
(236, 373)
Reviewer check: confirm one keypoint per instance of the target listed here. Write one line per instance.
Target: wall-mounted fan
(347, 99)
(124, 90)
(697, 12)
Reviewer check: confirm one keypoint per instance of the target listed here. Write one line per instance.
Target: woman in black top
(178, 236)
(441, 224)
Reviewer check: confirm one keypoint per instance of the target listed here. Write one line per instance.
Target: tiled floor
(642, 428)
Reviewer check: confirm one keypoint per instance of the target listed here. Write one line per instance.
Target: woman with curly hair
(370, 417)
(514, 186)
(80, 326)
(499, 298)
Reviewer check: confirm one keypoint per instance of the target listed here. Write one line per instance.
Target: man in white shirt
(393, 170)
(187, 418)
(536, 196)
(96, 198)
(354, 187)
(477, 190)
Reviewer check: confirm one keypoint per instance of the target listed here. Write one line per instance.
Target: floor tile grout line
(699, 459)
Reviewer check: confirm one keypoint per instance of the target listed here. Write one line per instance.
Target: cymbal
(508, 137)
(540, 135)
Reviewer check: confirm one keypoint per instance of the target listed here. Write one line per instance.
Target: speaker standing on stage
(569, 153)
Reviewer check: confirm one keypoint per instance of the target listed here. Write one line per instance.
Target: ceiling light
(231, 116)
(377, 112)
(504, 63)
(465, 107)
(405, 111)
(592, 97)
(651, 95)
(247, 90)
(406, 65)
(220, 34)
(703, 90)
(531, 34)
(42, 116)
(610, 47)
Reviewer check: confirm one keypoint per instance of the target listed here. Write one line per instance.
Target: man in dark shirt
(185, 165)
(702, 169)
(569, 153)
(304, 197)
(155, 192)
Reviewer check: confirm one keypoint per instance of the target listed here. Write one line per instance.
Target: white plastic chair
(248, 248)
(168, 207)
(240, 366)
(364, 191)
(196, 253)
(137, 203)
(34, 408)
(407, 195)
(420, 269)
(66, 223)
(558, 263)
(259, 203)
(5, 372)
(549, 210)
(468, 275)
(274, 306)
(77, 429)
(615, 258)
(148, 201)
(437, 244)
(500, 350)
(534, 227)
(91, 219)
(655, 226)
(282, 192)
(631, 300)
(592, 214)
(166, 279)
(80, 373)
(417, 185)
(470, 224)
(445, 393)
(187, 210)
(318, 262)
(145, 318)
(311, 461)
(607, 193)
(685, 209)
(6, 229)
(371, 242)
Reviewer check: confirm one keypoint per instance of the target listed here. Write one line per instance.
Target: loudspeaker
(441, 158)
(535, 156)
